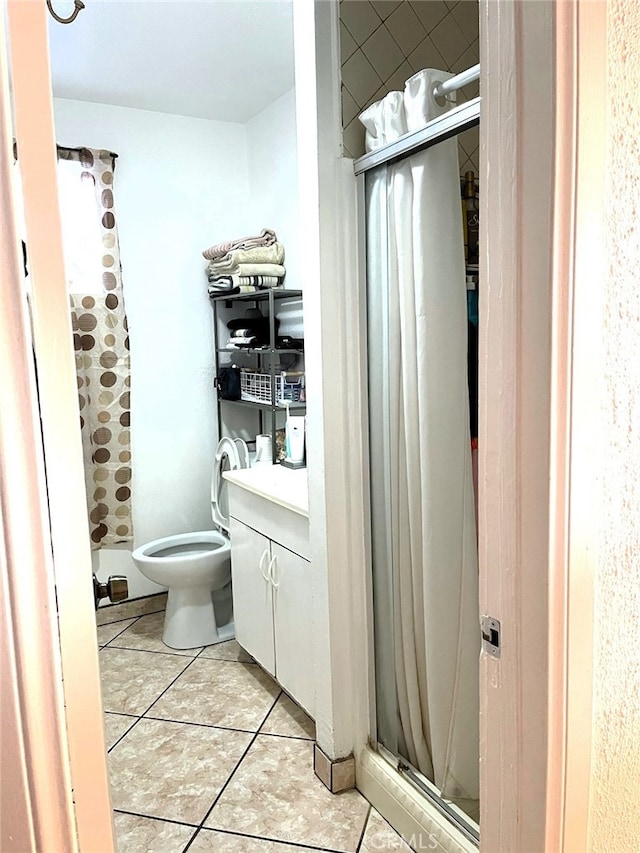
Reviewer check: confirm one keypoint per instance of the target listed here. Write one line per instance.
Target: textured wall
(615, 804)
(384, 42)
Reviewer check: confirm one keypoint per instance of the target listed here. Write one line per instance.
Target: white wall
(333, 428)
(180, 185)
(272, 153)
(273, 177)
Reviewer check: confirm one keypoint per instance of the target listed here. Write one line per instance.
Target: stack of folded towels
(245, 265)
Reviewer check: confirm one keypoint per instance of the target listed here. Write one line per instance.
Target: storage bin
(255, 387)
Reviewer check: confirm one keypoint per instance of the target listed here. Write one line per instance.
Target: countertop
(284, 486)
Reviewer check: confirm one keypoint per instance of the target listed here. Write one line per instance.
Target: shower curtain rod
(457, 82)
(82, 148)
(441, 128)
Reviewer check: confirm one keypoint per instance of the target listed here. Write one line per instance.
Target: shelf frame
(272, 296)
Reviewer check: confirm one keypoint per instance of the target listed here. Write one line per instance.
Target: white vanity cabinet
(253, 593)
(272, 587)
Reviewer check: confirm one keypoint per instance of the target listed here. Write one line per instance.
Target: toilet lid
(227, 458)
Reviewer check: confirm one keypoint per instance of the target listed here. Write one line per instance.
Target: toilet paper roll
(263, 450)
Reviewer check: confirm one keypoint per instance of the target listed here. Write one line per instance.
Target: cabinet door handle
(273, 562)
(266, 575)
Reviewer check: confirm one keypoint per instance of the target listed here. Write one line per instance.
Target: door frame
(515, 410)
(71, 711)
(579, 269)
(543, 137)
(36, 796)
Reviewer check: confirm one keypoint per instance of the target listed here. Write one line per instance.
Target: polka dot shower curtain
(100, 335)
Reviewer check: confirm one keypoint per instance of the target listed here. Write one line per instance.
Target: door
(252, 593)
(292, 605)
(55, 622)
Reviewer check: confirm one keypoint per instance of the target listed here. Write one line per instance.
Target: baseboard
(338, 775)
(108, 613)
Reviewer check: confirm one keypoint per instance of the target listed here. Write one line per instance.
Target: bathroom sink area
(274, 501)
(284, 486)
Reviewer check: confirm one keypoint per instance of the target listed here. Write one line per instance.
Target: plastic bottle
(472, 301)
(471, 202)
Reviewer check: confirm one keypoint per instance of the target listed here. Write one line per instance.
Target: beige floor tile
(274, 794)
(106, 633)
(131, 680)
(289, 719)
(238, 695)
(144, 835)
(115, 725)
(172, 770)
(210, 841)
(146, 635)
(230, 650)
(381, 837)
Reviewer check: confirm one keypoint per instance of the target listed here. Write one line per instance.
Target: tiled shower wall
(384, 42)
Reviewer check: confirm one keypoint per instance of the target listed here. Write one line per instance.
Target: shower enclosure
(423, 522)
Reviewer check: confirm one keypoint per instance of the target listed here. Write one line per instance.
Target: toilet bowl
(196, 567)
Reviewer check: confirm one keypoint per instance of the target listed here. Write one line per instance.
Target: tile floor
(206, 753)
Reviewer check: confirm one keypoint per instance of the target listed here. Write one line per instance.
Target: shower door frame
(440, 129)
(536, 560)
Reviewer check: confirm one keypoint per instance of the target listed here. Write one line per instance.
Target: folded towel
(259, 280)
(259, 255)
(214, 291)
(262, 281)
(230, 291)
(266, 238)
(247, 269)
(223, 282)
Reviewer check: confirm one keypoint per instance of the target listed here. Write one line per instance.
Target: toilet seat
(231, 455)
(184, 545)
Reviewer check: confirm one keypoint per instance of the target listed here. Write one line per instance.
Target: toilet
(196, 567)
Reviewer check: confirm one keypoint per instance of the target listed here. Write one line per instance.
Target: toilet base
(190, 620)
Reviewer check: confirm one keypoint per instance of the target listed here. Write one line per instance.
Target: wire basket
(256, 387)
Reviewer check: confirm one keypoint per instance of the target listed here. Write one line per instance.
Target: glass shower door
(423, 537)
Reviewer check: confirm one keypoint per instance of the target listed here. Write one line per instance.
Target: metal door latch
(490, 636)
(116, 589)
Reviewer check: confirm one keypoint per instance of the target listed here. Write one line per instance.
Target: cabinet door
(252, 593)
(292, 624)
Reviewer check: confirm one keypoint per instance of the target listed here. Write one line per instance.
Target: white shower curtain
(415, 250)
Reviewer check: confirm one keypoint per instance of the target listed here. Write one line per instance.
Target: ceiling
(219, 59)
